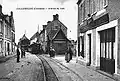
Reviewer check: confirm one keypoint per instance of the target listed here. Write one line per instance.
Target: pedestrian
(68, 54)
(21, 52)
(52, 52)
(24, 53)
(18, 55)
(71, 53)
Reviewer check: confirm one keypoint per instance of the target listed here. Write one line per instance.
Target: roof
(58, 21)
(34, 36)
(24, 38)
(42, 31)
(58, 32)
(51, 34)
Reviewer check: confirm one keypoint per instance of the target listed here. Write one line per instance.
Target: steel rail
(55, 61)
(43, 67)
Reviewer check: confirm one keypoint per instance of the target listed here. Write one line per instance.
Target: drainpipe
(78, 42)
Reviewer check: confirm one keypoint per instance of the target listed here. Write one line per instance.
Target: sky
(38, 12)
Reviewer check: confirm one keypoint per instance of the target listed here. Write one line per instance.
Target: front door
(89, 38)
(107, 42)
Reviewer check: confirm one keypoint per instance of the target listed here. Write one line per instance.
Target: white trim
(107, 26)
(100, 12)
(97, 49)
(89, 32)
(116, 47)
(112, 24)
(87, 47)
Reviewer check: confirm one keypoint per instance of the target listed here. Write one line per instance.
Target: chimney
(11, 13)
(48, 22)
(55, 17)
(44, 26)
(0, 8)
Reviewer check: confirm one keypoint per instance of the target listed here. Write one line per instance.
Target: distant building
(42, 38)
(7, 34)
(35, 38)
(56, 35)
(24, 42)
(99, 34)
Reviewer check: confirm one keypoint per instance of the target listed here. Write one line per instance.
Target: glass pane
(103, 50)
(107, 50)
(110, 53)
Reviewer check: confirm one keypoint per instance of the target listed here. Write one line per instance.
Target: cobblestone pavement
(28, 69)
(86, 73)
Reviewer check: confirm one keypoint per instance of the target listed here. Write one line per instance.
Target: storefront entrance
(107, 44)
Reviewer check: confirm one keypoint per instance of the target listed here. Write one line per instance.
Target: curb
(5, 58)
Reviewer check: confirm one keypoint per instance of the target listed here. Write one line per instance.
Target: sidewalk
(86, 73)
(5, 58)
(28, 69)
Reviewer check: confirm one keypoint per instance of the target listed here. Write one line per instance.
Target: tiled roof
(52, 33)
(34, 36)
(24, 38)
(60, 31)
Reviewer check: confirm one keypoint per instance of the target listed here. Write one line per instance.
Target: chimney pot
(55, 17)
(11, 13)
(0, 8)
(48, 22)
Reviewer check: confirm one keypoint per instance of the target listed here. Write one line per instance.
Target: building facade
(7, 34)
(51, 31)
(24, 42)
(98, 34)
(42, 38)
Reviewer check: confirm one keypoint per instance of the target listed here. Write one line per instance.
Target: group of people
(18, 53)
(68, 54)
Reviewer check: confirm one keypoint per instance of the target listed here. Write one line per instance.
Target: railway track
(48, 73)
(60, 65)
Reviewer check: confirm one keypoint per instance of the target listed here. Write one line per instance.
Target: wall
(113, 9)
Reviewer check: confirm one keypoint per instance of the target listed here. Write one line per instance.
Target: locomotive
(35, 48)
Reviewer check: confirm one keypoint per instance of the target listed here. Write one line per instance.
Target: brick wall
(113, 9)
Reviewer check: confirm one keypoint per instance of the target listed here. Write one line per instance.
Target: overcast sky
(29, 19)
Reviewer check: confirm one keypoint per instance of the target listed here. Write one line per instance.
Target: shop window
(107, 39)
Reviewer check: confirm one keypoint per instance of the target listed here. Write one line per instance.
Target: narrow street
(30, 69)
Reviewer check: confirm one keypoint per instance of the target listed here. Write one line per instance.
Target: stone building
(98, 34)
(7, 34)
(24, 42)
(56, 35)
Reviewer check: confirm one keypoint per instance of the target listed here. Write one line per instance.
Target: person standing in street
(68, 55)
(21, 52)
(18, 55)
(24, 53)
